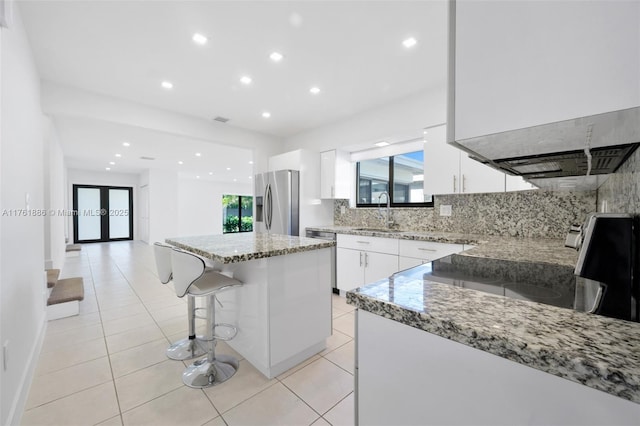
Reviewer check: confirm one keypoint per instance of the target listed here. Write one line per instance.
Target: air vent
(147, 158)
(221, 119)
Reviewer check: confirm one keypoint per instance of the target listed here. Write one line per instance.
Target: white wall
(524, 63)
(163, 204)
(403, 119)
(200, 205)
(87, 177)
(55, 197)
(22, 284)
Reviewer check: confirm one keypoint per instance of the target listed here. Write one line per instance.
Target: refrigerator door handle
(269, 207)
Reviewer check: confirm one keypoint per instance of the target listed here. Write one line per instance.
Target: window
(400, 176)
(237, 213)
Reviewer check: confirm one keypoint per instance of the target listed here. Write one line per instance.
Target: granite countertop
(596, 351)
(241, 247)
(535, 250)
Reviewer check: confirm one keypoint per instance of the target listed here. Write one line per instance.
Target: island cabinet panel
(418, 378)
(282, 311)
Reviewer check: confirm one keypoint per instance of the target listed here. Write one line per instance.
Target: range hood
(594, 145)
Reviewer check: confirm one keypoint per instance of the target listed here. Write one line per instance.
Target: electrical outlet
(445, 210)
(5, 355)
(343, 209)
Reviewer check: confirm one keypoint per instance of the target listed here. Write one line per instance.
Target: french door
(102, 213)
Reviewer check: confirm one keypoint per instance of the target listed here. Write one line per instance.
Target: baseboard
(17, 407)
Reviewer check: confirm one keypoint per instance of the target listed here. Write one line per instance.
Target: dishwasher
(330, 236)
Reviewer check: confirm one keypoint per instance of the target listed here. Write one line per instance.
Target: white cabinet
(361, 260)
(525, 63)
(413, 253)
(516, 183)
(336, 174)
(448, 170)
(419, 378)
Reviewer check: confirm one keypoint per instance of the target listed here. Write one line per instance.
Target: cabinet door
(327, 174)
(379, 266)
(441, 164)
(349, 268)
(476, 177)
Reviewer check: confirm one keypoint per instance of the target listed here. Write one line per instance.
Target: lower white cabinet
(413, 253)
(418, 378)
(362, 260)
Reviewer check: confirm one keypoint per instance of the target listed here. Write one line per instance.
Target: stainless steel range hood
(596, 145)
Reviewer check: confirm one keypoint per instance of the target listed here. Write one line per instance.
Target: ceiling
(351, 50)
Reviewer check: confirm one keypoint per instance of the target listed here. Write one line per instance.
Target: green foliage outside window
(237, 213)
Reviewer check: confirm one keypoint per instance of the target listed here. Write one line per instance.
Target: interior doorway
(102, 213)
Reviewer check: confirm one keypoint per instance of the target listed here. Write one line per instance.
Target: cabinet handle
(454, 183)
(426, 249)
(464, 183)
(366, 260)
(363, 242)
(360, 259)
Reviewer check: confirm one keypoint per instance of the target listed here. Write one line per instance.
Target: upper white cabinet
(336, 175)
(525, 63)
(448, 170)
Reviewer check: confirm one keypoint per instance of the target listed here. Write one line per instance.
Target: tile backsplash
(621, 192)
(534, 213)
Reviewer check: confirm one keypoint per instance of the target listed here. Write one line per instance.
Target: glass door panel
(119, 214)
(89, 224)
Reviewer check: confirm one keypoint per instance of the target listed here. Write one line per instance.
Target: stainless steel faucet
(388, 221)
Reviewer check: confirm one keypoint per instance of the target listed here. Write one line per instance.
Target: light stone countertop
(596, 351)
(241, 247)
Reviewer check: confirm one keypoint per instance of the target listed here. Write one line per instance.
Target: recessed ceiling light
(250, 162)
(266, 114)
(210, 173)
(180, 162)
(167, 85)
(250, 177)
(276, 56)
(245, 79)
(199, 39)
(410, 42)
(383, 143)
(198, 154)
(126, 144)
(424, 132)
(112, 163)
(118, 155)
(228, 168)
(197, 177)
(107, 168)
(235, 180)
(314, 90)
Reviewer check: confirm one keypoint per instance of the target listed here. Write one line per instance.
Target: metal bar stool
(190, 277)
(189, 347)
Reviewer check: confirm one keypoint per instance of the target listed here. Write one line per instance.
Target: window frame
(390, 190)
(239, 231)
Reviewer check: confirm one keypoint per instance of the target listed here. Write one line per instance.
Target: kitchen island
(283, 308)
(459, 356)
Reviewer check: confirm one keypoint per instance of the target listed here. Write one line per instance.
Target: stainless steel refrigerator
(277, 202)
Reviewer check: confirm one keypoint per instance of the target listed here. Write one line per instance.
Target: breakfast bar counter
(283, 309)
(497, 359)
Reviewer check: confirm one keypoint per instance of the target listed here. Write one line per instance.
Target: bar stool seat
(191, 278)
(189, 347)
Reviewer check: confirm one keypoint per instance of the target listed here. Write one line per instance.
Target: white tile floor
(107, 365)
